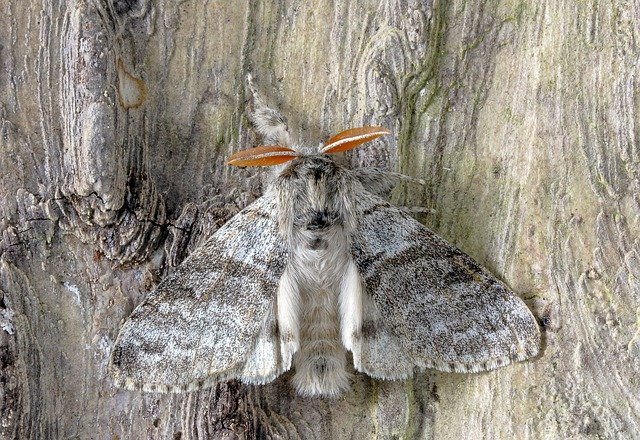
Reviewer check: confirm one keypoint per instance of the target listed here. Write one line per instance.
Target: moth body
(318, 247)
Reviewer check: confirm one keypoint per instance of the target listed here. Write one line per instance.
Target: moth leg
(288, 307)
(381, 182)
(269, 123)
(417, 210)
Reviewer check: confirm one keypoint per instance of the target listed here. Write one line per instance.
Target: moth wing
(212, 319)
(445, 311)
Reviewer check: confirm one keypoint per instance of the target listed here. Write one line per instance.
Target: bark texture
(116, 117)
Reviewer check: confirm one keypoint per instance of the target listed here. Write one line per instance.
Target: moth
(319, 266)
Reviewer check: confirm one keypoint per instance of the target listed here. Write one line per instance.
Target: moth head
(276, 155)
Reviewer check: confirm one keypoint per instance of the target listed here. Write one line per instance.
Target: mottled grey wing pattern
(201, 324)
(447, 312)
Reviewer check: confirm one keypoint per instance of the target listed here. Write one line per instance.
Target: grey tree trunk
(521, 116)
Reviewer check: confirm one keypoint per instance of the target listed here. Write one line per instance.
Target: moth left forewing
(446, 311)
(209, 320)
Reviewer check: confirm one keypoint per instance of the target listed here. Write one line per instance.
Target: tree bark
(522, 118)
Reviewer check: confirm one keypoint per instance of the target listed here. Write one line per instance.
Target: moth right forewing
(201, 323)
(446, 311)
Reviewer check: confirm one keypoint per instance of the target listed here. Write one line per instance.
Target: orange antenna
(352, 138)
(262, 156)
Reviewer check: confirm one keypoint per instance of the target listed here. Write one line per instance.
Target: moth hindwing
(318, 266)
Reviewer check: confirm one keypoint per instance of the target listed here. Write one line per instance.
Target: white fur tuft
(288, 308)
(351, 307)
